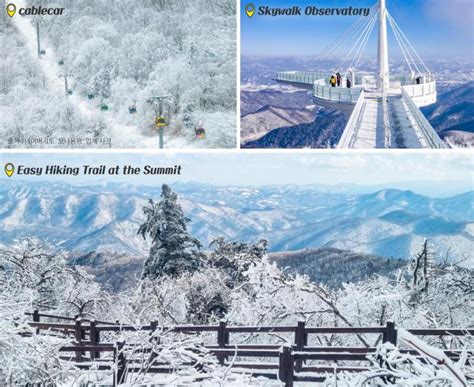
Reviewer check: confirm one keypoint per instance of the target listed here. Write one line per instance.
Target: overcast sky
(436, 28)
(453, 170)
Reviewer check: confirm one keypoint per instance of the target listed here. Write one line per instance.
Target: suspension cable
(409, 44)
(335, 44)
(354, 29)
(355, 61)
(403, 43)
(402, 47)
(358, 42)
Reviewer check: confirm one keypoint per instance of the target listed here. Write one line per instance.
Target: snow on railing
(436, 356)
(349, 130)
(429, 134)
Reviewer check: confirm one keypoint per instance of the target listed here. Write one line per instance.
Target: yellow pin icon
(11, 9)
(250, 10)
(9, 169)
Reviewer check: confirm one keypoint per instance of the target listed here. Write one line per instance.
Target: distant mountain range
(273, 117)
(323, 132)
(452, 116)
(105, 217)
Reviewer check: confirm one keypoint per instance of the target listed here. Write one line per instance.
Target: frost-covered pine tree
(173, 251)
(235, 258)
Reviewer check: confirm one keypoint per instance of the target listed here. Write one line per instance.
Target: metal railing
(386, 122)
(349, 130)
(324, 91)
(321, 87)
(421, 89)
(429, 134)
(409, 80)
(306, 78)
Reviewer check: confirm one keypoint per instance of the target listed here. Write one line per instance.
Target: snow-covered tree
(235, 258)
(174, 251)
(35, 276)
(33, 266)
(191, 57)
(421, 268)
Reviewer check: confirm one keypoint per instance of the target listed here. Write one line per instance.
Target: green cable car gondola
(69, 92)
(90, 96)
(104, 107)
(61, 62)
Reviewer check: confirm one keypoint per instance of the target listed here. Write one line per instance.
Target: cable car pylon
(160, 121)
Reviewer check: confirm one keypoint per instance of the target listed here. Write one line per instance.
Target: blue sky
(436, 28)
(451, 173)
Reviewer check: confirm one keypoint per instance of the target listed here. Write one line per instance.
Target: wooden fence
(291, 361)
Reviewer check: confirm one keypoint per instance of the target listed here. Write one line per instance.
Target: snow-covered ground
(123, 129)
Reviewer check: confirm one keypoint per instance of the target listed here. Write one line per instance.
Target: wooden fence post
(300, 342)
(390, 333)
(78, 337)
(222, 339)
(153, 326)
(36, 318)
(389, 336)
(121, 363)
(286, 366)
(94, 338)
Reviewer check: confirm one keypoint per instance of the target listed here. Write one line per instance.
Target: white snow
(120, 127)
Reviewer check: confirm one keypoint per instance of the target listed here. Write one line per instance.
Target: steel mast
(382, 52)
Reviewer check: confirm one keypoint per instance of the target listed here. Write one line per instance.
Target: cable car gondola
(199, 131)
(90, 96)
(104, 107)
(61, 62)
(132, 109)
(69, 92)
(160, 122)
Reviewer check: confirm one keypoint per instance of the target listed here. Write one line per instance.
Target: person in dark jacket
(338, 79)
(348, 83)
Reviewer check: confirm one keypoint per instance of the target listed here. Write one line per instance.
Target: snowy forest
(182, 283)
(106, 71)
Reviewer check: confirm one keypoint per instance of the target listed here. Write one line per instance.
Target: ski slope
(123, 135)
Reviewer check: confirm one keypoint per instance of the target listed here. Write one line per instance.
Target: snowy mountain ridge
(388, 223)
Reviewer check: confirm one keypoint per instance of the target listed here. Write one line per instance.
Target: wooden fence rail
(292, 357)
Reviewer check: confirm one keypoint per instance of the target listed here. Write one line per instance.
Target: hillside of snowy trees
(117, 57)
(234, 281)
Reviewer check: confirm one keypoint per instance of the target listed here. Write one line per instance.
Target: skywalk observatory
(385, 106)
